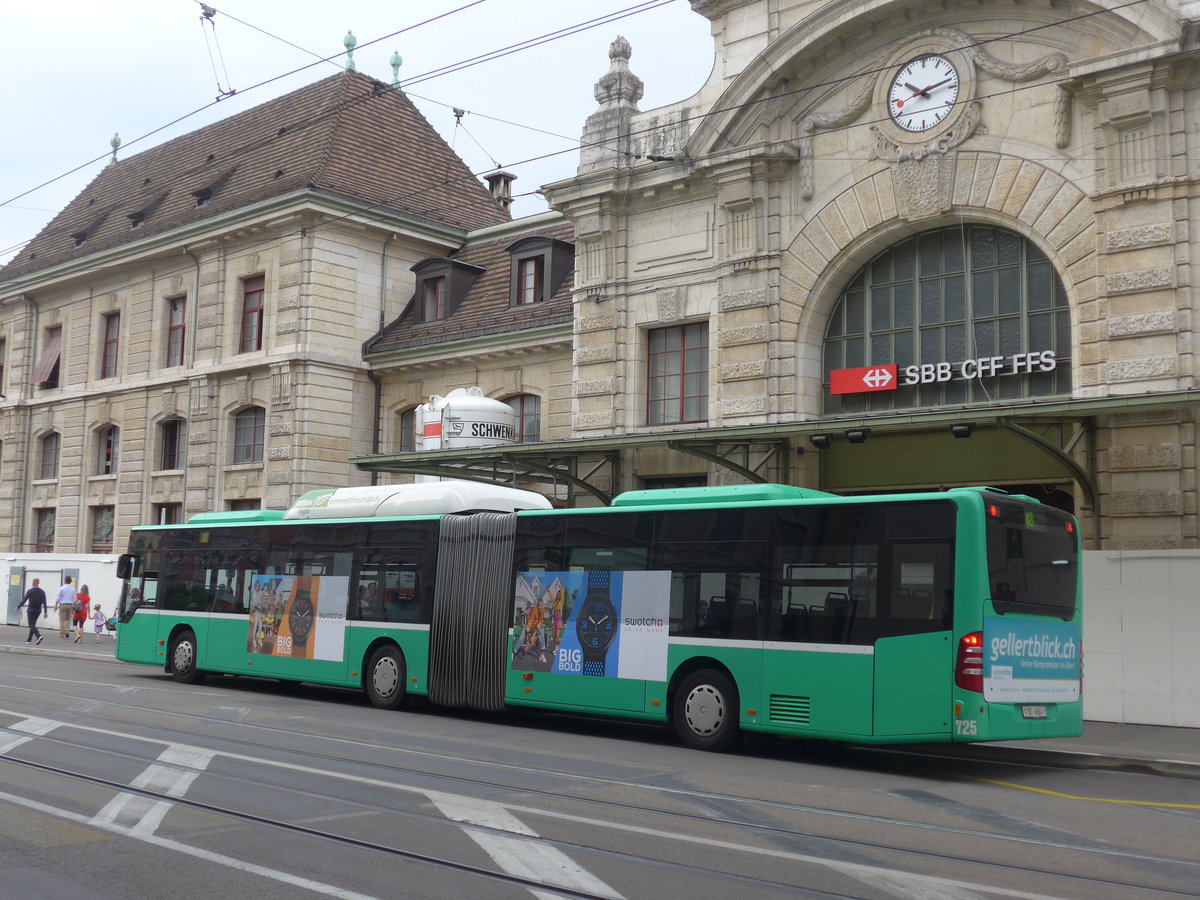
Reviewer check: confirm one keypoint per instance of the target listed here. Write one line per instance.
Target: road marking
(32, 727)
(919, 885)
(141, 815)
(1063, 796)
(848, 868)
(517, 856)
(220, 859)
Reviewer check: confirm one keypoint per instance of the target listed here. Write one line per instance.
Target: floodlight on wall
(858, 435)
(962, 429)
(820, 441)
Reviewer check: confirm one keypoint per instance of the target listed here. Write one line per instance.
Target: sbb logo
(929, 373)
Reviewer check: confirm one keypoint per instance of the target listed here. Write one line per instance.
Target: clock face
(596, 624)
(923, 92)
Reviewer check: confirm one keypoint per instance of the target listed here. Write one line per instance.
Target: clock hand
(921, 93)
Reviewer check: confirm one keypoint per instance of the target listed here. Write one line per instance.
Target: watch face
(596, 624)
(923, 92)
(300, 619)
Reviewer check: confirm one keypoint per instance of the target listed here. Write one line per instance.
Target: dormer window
(202, 197)
(530, 275)
(433, 299)
(442, 285)
(539, 267)
(136, 221)
(80, 238)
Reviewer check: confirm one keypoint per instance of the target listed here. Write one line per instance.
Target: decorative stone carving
(279, 453)
(280, 427)
(591, 420)
(670, 304)
(863, 86)
(1138, 369)
(1143, 280)
(594, 323)
(741, 371)
(1138, 236)
(747, 334)
(745, 406)
(594, 387)
(601, 354)
(744, 300)
(1160, 322)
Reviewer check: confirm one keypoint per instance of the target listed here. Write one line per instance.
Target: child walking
(98, 621)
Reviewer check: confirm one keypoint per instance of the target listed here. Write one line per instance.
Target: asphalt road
(119, 783)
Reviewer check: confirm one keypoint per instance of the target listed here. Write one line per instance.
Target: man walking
(35, 599)
(64, 602)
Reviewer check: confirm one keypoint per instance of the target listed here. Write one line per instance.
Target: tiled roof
(486, 308)
(347, 135)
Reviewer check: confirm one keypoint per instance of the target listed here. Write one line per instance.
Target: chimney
(500, 184)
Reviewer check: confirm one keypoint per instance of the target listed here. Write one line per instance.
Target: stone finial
(619, 85)
(350, 41)
(606, 134)
(115, 143)
(396, 62)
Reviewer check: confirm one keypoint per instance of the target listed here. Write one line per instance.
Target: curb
(59, 654)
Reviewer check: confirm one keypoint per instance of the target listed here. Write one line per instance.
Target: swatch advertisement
(298, 616)
(1028, 660)
(599, 624)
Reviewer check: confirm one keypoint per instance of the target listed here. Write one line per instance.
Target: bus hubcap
(386, 677)
(705, 709)
(183, 656)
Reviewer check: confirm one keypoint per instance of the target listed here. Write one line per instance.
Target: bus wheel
(706, 711)
(385, 678)
(183, 659)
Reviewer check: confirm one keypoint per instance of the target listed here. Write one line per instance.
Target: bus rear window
(1033, 558)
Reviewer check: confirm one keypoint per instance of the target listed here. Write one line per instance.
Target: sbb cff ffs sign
(868, 379)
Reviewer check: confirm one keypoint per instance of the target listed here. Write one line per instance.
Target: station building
(886, 251)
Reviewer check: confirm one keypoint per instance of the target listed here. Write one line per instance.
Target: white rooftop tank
(464, 418)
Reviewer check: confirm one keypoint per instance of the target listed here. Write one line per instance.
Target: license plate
(1033, 712)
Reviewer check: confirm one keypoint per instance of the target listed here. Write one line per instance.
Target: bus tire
(705, 711)
(384, 678)
(183, 659)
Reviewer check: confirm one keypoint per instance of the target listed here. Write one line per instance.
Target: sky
(83, 70)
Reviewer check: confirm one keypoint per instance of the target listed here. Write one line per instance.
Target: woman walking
(83, 603)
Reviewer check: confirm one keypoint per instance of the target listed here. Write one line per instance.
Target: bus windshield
(1033, 558)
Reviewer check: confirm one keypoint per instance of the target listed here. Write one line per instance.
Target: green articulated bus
(938, 616)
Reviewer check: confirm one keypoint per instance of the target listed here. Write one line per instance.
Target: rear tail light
(968, 671)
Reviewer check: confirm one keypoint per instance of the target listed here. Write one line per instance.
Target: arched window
(49, 455)
(249, 435)
(528, 408)
(952, 296)
(107, 440)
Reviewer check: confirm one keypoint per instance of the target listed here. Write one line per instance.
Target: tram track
(742, 824)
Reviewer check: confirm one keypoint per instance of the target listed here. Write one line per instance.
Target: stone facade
(751, 205)
(290, 216)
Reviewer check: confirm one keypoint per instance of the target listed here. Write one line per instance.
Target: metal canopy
(576, 462)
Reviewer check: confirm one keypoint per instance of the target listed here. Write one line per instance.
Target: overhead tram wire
(368, 208)
(588, 24)
(246, 91)
(566, 32)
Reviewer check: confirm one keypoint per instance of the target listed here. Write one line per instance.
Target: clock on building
(923, 92)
